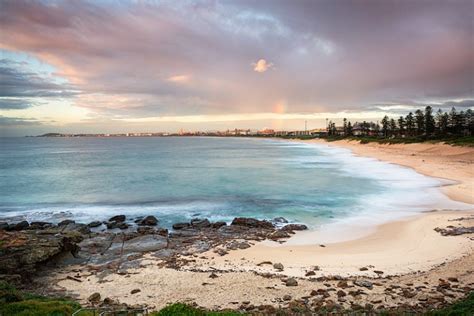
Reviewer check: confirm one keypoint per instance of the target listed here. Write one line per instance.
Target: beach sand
(408, 249)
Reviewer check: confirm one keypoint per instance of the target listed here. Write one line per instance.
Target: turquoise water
(178, 178)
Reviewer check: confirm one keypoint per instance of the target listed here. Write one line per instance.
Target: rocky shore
(124, 251)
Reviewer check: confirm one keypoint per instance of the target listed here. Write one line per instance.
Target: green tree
(385, 126)
(429, 121)
(393, 127)
(420, 122)
(401, 125)
(410, 124)
(349, 129)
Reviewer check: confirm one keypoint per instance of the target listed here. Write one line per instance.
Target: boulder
(364, 283)
(251, 222)
(292, 227)
(291, 282)
(200, 223)
(148, 221)
(66, 222)
(113, 225)
(178, 226)
(278, 234)
(19, 226)
(278, 266)
(94, 224)
(218, 225)
(117, 218)
(94, 298)
(40, 225)
(4, 226)
(280, 220)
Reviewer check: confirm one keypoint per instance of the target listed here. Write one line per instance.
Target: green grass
(186, 310)
(455, 141)
(461, 308)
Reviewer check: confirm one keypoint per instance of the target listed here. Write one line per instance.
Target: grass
(186, 310)
(461, 308)
(14, 302)
(467, 141)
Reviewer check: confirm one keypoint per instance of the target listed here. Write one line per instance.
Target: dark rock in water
(280, 220)
(200, 223)
(4, 226)
(178, 226)
(113, 225)
(19, 226)
(66, 222)
(135, 291)
(117, 218)
(40, 225)
(94, 224)
(148, 221)
(251, 222)
(291, 227)
(363, 269)
(218, 225)
(94, 298)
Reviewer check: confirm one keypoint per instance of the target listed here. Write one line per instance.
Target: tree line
(422, 123)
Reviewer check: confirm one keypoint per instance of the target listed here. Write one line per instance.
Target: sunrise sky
(146, 66)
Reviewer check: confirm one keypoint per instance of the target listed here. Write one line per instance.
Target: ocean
(180, 178)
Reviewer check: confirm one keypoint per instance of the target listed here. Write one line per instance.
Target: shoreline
(407, 253)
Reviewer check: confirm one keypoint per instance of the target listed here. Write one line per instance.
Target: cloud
(16, 82)
(15, 104)
(17, 121)
(179, 78)
(262, 65)
(132, 58)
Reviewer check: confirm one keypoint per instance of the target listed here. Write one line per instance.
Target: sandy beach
(408, 251)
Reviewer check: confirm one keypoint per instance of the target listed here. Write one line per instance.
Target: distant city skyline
(127, 67)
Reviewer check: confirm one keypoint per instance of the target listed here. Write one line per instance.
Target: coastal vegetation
(20, 303)
(453, 127)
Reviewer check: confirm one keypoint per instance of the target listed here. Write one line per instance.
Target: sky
(149, 66)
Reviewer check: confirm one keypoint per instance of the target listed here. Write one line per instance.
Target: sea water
(180, 178)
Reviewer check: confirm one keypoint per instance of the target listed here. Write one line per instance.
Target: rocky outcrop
(251, 222)
(148, 221)
(21, 252)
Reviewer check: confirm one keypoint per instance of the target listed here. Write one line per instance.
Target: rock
(148, 221)
(66, 222)
(135, 291)
(364, 283)
(218, 225)
(40, 225)
(113, 225)
(342, 284)
(310, 273)
(19, 226)
(178, 226)
(213, 275)
(287, 297)
(117, 218)
(453, 279)
(291, 282)
(292, 227)
(378, 272)
(251, 222)
(278, 266)
(278, 234)
(94, 298)
(455, 231)
(264, 262)
(200, 223)
(140, 244)
(363, 269)
(94, 224)
(280, 220)
(341, 293)
(4, 226)
(234, 245)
